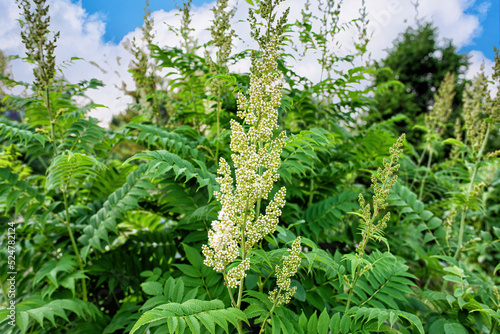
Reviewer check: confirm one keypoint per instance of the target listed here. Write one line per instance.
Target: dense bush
(245, 203)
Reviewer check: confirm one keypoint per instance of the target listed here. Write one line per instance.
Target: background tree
(107, 226)
(4, 83)
(419, 62)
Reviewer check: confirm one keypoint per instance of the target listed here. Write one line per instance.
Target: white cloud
(453, 22)
(82, 36)
(480, 63)
(478, 60)
(9, 27)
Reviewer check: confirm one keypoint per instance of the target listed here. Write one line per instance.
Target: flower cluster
(475, 97)
(457, 132)
(495, 108)
(267, 14)
(382, 183)
(235, 275)
(283, 293)
(481, 111)
(222, 37)
(35, 36)
(256, 158)
(436, 119)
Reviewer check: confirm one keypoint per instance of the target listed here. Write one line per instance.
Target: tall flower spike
(222, 37)
(495, 103)
(382, 183)
(35, 33)
(436, 119)
(283, 293)
(256, 158)
(475, 101)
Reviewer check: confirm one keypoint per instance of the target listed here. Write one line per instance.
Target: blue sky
(490, 34)
(98, 31)
(123, 16)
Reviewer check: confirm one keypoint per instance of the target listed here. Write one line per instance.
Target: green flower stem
(351, 287)
(257, 208)
(52, 130)
(233, 302)
(275, 301)
(469, 190)
(369, 219)
(493, 327)
(311, 189)
(419, 162)
(194, 103)
(218, 111)
(243, 253)
(206, 287)
(75, 248)
(243, 257)
(261, 284)
(219, 108)
(358, 273)
(47, 97)
(422, 185)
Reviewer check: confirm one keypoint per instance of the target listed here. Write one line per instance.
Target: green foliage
(386, 284)
(190, 315)
(118, 202)
(106, 227)
(40, 310)
(420, 79)
(414, 211)
(71, 168)
(81, 135)
(164, 161)
(152, 136)
(11, 132)
(49, 271)
(326, 215)
(18, 194)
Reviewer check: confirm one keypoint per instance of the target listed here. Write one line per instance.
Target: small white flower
(256, 158)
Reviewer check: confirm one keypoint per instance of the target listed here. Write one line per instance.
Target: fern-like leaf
(357, 320)
(40, 309)
(73, 167)
(300, 153)
(60, 272)
(163, 162)
(414, 210)
(82, 135)
(18, 194)
(123, 199)
(327, 214)
(152, 136)
(171, 292)
(74, 113)
(109, 180)
(189, 315)
(381, 316)
(15, 133)
(385, 284)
